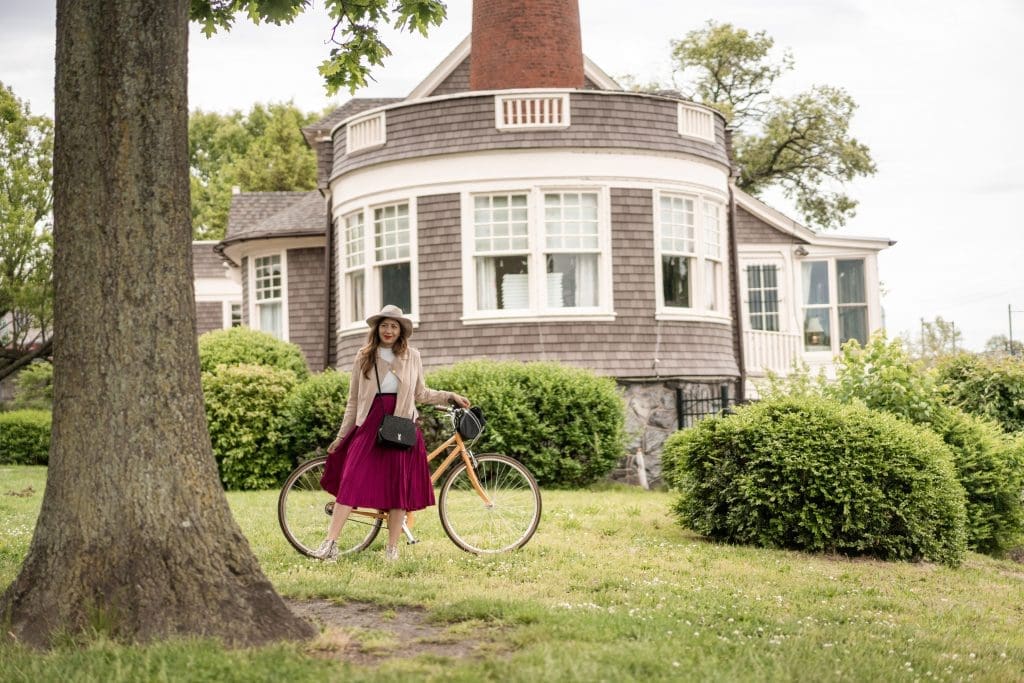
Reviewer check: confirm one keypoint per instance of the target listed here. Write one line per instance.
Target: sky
(938, 84)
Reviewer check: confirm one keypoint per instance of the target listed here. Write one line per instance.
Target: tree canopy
(355, 36)
(26, 201)
(261, 151)
(800, 144)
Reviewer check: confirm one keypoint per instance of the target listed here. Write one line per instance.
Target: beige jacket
(411, 390)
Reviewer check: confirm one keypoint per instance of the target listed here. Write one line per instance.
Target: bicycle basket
(471, 423)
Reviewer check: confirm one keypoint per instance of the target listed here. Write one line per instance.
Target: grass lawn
(610, 589)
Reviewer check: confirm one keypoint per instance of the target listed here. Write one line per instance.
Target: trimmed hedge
(988, 387)
(314, 411)
(25, 437)
(812, 474)
(246, 412)
(242, 346)
(990, 467)
(566, 424)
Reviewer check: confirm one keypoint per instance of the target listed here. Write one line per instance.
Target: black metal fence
(696, 401)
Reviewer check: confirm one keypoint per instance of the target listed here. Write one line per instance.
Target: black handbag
(394, 431)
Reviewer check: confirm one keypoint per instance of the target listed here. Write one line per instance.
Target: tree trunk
(135, 535)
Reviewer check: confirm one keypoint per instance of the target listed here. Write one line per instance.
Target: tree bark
(135, 535)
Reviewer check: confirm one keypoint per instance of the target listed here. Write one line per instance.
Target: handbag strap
(379, 392)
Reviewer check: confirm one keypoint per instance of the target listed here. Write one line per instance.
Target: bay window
(355, 264)
(691, 254)
(391, 240)
(536, 252)
(842, 316)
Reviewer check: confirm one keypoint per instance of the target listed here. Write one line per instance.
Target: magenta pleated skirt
(363, 474)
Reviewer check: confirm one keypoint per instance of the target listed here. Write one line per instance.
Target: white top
(389, 382)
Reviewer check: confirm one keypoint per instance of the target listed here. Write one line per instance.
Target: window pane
(236, 315)
(354, 240)
(395, 286)
(815, 282)
(763, 297)
(571, 280)
(675, 273)
(570, 220)
(391, 232)
(850, 276)
(677, 224)
(502, 283)
(712, 230)
(268, 277)
(497, 227)
(712, 276)
(817, 323)
(271, 320)
(356, 286)
(853, 324)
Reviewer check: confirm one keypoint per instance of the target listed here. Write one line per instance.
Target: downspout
(737, 308)
(329, 275)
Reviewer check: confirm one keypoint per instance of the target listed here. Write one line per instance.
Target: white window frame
(780, 282)
(698, 295)
(254, 320)
(226, 307)
(833, 300)
(349, 317)
(370, 266)
(536, 252)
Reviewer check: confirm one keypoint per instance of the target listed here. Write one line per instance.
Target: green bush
(566, 424)
(315, 410)
(25, 437)
(990, 467)
(242, 346)
(812, 474)
(33, 387)
(248, 422)
(883, 376)
(988, 387)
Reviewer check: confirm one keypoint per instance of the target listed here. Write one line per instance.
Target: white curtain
(586, 280)
(486, 285)
(271, 320)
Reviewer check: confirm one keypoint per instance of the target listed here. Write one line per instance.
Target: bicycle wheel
(507, 522)
(304, 511)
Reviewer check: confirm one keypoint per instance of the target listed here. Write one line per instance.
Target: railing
(368, 132)
(695, 401)
(531, 111)
(774, 351)
(696, 123)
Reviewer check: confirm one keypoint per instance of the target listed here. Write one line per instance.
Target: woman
(362, 473)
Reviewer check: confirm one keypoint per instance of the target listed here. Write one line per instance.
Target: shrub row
(988, 387)
(25, 437)
(566, 424)
(813, 474)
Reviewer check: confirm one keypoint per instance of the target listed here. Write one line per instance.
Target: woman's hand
(460, 401)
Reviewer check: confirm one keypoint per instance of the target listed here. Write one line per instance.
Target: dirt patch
(366, 633)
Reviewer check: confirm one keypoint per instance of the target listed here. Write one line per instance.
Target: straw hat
(395, 313)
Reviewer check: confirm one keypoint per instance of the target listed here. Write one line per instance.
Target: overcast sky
(938, 83)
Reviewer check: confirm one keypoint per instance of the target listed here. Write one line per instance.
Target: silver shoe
(391, 553)
(328, 551)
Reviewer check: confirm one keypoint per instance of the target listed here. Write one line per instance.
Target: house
(518, 204)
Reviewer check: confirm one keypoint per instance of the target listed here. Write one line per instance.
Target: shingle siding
(466, 124)
(209, 316)
(752, 230)
(206, 262)
(306, 306)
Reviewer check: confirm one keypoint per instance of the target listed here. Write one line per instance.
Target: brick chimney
(526, 44)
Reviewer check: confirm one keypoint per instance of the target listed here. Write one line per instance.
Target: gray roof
(205, 261)
(350, 108)
(255, 215)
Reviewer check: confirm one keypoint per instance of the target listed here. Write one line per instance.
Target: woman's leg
(338, 518)
(396, 517)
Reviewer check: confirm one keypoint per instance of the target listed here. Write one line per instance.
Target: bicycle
(487, 503)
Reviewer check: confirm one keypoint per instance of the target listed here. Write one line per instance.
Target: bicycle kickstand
(410, 539)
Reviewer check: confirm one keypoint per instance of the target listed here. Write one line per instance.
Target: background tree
(800, 144)
(999, 345)
(937, 339)
(26, 202)
(262, 151)
(134, 531)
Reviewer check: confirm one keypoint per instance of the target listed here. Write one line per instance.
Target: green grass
(610, 589)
